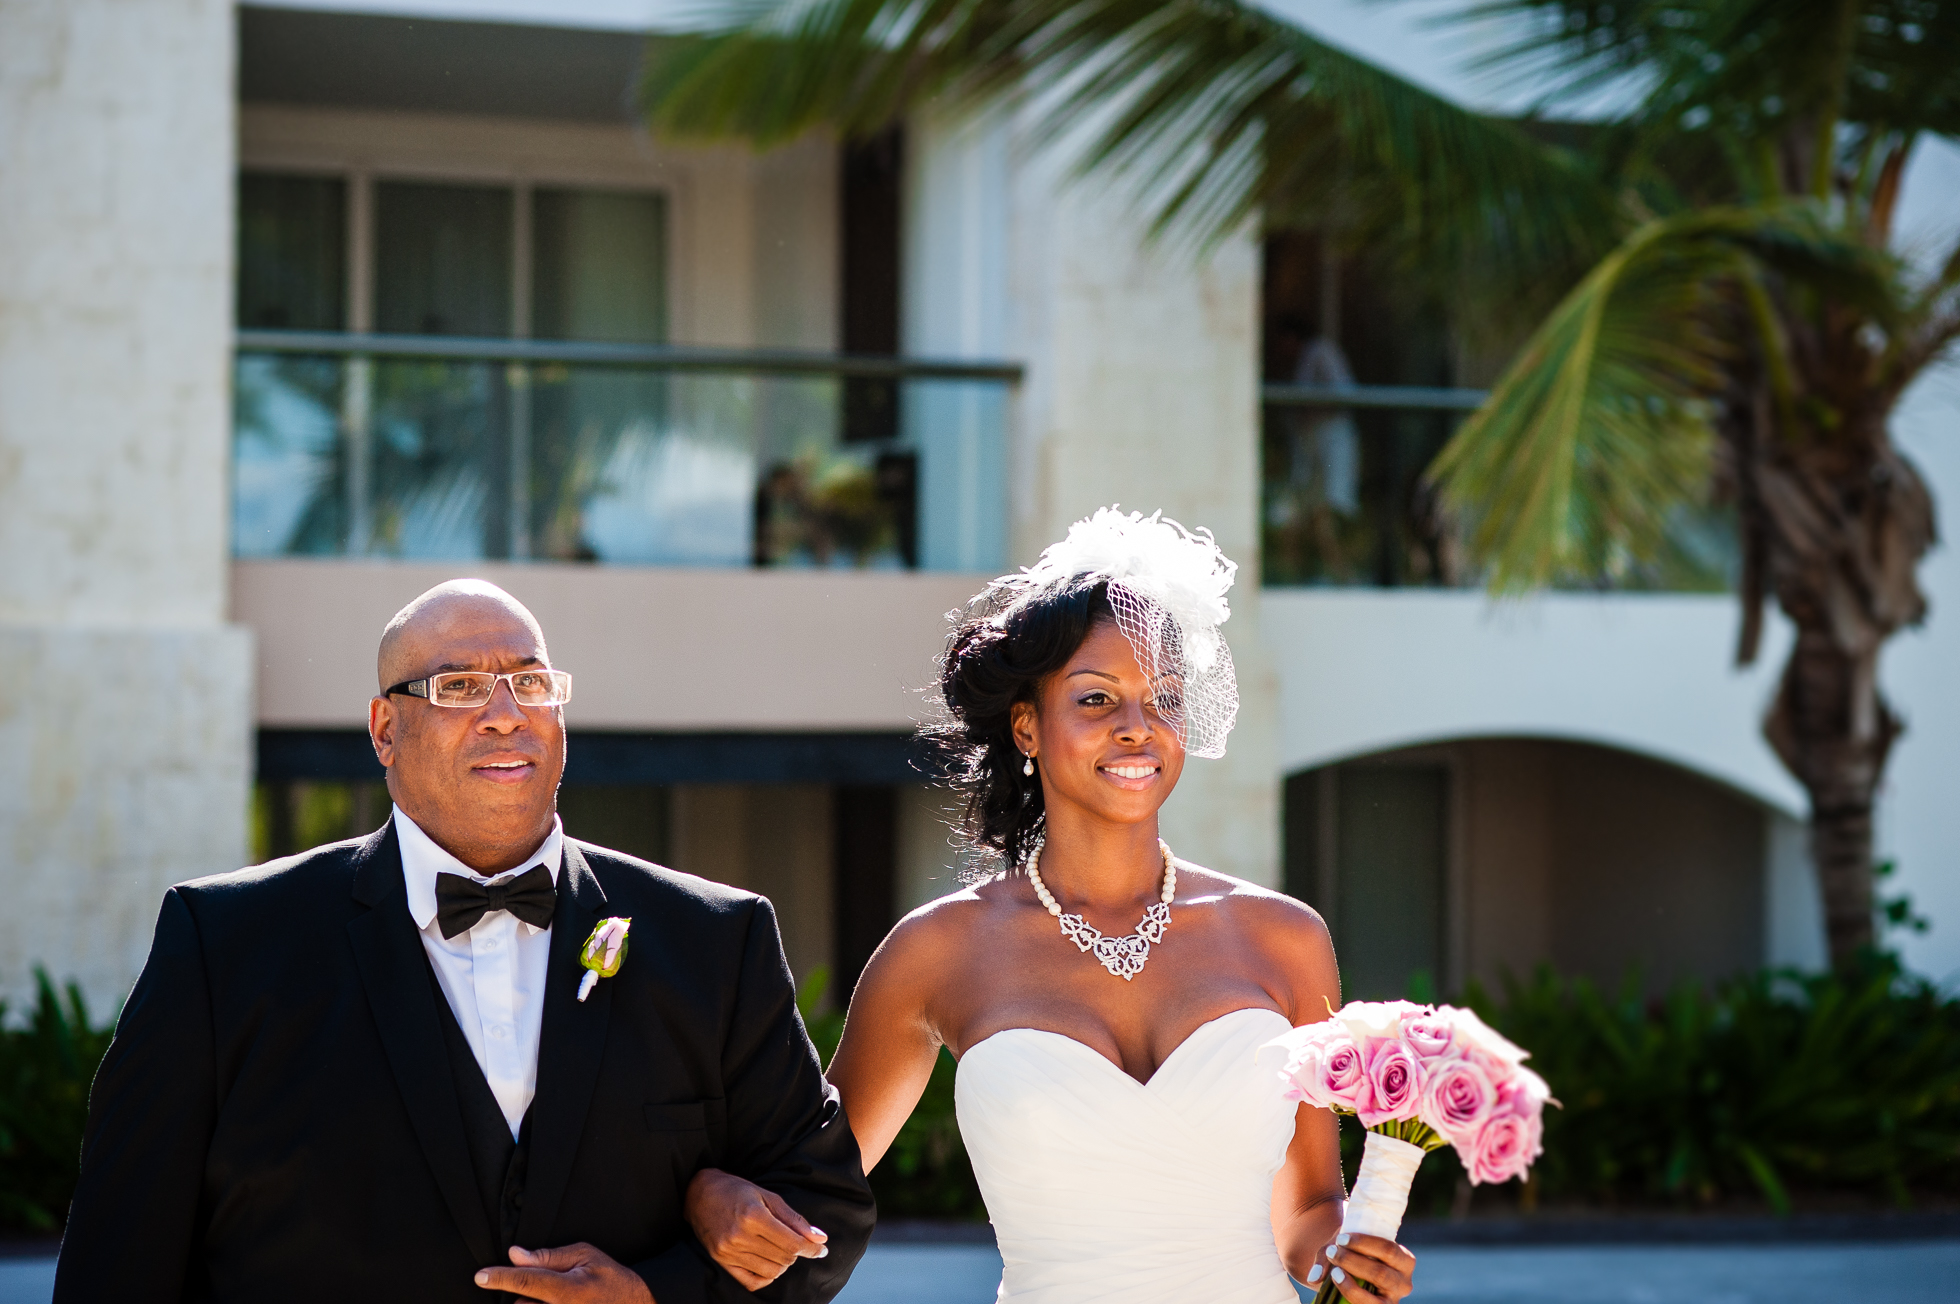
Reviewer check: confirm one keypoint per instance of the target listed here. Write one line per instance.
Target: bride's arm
(1308, 1195)
(890, 1043)
(880, 1070)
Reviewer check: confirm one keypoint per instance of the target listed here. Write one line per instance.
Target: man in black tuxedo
(367, 1073)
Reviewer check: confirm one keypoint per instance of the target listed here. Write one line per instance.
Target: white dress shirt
(492, 974)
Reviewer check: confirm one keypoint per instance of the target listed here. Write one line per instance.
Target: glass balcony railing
(437, 448)
(1344, 501)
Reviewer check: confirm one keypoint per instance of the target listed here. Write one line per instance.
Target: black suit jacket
(276, 1119)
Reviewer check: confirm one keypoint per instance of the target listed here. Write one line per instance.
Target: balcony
(439, 448)
(1344, 502)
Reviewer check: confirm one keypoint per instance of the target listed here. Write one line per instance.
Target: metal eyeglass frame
(420, 688)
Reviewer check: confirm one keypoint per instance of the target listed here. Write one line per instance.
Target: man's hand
(752, 1233)
(571, 1274)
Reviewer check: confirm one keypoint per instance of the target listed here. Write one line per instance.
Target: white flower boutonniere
(604, 952)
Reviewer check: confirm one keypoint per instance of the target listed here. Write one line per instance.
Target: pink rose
(1305, 1050)
(1502, 1150)
(1395, 1081)
(1458, 1097)
(1429, 1032)
(1513, 1135)
(1324, 1067)
(1343, 1074)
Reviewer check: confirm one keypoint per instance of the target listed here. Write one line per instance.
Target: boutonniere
(603, 953)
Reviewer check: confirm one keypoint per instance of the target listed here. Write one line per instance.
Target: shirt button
(497, 1032)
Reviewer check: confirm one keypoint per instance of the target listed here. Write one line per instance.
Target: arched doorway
(1477, 856)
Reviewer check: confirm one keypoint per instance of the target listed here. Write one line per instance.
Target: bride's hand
(1383, 1269)
(749, 1231)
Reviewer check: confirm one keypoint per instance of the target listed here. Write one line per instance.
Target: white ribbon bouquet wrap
(1419, 1077)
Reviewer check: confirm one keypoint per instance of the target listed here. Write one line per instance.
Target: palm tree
(1716, 302)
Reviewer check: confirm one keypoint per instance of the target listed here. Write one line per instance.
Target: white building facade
(306, 308)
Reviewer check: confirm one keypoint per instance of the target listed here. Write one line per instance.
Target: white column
(125, 725)
(1142, 390)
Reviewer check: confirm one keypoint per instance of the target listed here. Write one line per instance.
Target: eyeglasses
(473, 688)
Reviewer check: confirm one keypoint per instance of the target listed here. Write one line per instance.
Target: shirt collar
(422, 860)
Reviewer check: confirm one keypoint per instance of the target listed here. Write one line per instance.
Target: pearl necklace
(1122, 956)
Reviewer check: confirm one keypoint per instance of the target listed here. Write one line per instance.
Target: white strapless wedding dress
(1104, 1188)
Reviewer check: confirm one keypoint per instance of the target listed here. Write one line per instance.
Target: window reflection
(467, 458)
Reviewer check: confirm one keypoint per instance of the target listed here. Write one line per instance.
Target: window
(457, 451)
(292, 252)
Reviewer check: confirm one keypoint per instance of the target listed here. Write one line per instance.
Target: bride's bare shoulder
(1261, 910)
(945, 925)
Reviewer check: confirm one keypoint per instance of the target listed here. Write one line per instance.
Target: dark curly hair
(1002, 646)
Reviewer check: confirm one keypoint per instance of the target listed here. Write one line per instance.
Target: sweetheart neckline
(1122, 1072)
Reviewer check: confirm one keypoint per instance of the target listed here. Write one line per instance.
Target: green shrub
(1763, 1085)
(45, 1072)
(1767, 1087)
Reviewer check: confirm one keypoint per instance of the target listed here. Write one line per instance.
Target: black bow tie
(461, 901)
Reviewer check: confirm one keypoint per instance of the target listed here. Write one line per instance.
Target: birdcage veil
(1167, 586)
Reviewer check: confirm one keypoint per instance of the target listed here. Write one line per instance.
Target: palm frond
(1604, 424)
(1212, 110)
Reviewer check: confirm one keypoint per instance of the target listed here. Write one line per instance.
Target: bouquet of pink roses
(1418, 1077)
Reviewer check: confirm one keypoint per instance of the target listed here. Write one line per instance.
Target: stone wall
(125, 737)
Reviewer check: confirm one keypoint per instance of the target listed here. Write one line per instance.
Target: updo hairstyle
(997, 656)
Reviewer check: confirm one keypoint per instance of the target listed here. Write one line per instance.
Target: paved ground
(1924, 1272)
(1909, 1273)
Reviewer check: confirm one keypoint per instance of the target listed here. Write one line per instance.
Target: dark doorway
(1367, 844)
(866, 824)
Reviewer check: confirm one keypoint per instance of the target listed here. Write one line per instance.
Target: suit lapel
(570, 1048)
(394, 969)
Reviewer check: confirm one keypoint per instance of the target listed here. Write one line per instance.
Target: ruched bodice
(1104, 1188)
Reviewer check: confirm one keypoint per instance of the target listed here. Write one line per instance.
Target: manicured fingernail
(1332, 1251)
(824, 1253)
(1313, 1274)
(1339, 1276)
(483, 1279)
(1342, 1239)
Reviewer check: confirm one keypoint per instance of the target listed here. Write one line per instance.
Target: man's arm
(133, 1226)
(786, 1133)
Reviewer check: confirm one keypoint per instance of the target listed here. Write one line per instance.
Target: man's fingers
(793, 1220)
(556, 1258)
(537, 1283)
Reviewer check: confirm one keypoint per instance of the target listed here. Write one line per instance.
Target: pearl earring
(1027, 767)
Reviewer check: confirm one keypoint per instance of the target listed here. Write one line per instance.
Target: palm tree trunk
(1831, 727)
(1841, 520)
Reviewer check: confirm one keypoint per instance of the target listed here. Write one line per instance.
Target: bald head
(480, 780)
(432, 621)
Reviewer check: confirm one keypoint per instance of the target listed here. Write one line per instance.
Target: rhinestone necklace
(1122, 956)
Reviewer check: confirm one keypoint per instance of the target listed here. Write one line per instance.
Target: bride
(1105, 1000)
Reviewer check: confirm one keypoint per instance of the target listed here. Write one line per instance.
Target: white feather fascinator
(1168, 586)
